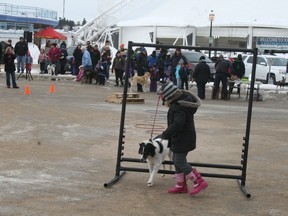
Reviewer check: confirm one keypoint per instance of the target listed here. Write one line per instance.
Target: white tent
(177, 19)
(195, 13)
(148, 20)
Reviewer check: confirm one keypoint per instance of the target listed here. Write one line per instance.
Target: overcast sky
(226, 11)
(75, 10)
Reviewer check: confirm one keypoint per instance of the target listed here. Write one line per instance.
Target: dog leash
(155, 117)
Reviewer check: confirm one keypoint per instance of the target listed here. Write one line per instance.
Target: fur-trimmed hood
(186, 99)
(189, 99)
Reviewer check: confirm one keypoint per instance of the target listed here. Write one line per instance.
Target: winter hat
(168, 90)
(202, 58)
(143, 50)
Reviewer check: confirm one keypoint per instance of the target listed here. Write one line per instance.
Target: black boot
(214, 92)
(117, 84)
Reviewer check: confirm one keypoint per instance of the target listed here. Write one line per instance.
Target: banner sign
(274, 43)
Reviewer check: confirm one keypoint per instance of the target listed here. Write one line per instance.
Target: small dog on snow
(281, 83)
(143, 80)
(51, 69)
(154, 152)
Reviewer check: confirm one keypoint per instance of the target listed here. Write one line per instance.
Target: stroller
(101, 72)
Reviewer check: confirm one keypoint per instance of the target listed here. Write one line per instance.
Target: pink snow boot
(181, 186)
(199, 183)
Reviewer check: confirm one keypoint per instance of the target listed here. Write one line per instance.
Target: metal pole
(63, 9)
(248, 123)
(270, 62)
(119, 173)
(210, 38)
(122, 121)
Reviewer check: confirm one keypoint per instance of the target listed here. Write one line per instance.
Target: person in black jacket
(223, 69)
(181, 134)
(142, 66)
(9, 58)
(118, 66)
(63, 59)
(237, 73)
(160, 64)
(77, 55)
(95, 56)
(238, 67)
(201, 76)
(20, 50)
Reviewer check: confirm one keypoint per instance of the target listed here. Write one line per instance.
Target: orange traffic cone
(52, 90)
(27, 91)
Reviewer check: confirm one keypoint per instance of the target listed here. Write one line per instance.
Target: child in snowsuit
(153, 79)
(184, 75)
(28, 63)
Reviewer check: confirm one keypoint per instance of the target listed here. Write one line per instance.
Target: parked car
(193, 59)
(278, 68)
(69, 57)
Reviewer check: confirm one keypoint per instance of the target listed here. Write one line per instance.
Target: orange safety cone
(52, 90)
(27, 91)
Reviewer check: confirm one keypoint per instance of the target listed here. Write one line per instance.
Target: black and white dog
(154, 152)
(51, 69)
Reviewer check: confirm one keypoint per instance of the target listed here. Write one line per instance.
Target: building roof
(196, 13)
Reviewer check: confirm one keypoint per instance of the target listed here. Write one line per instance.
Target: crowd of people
(89, 62)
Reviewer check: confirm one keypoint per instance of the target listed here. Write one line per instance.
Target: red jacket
(54, 54)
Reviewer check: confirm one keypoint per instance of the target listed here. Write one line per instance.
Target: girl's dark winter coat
(181, 131)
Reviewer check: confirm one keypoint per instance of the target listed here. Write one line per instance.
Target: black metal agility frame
(120, 170)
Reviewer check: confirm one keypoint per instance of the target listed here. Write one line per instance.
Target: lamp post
(211, 18)
(63, 9)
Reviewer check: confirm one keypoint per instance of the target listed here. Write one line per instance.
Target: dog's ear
(141, 146)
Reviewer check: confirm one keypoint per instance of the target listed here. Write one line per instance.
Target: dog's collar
(160, 146)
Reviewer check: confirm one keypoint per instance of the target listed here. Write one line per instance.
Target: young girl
(42, 61)
(181, 134)
(102, 72)
(118, 66)
(80, 73)
(9, 58)
(28, 63)
(184, 75)
(167, 68)
(153, 79)
(177, 74)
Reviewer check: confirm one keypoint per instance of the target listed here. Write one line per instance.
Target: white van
(278, 68)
